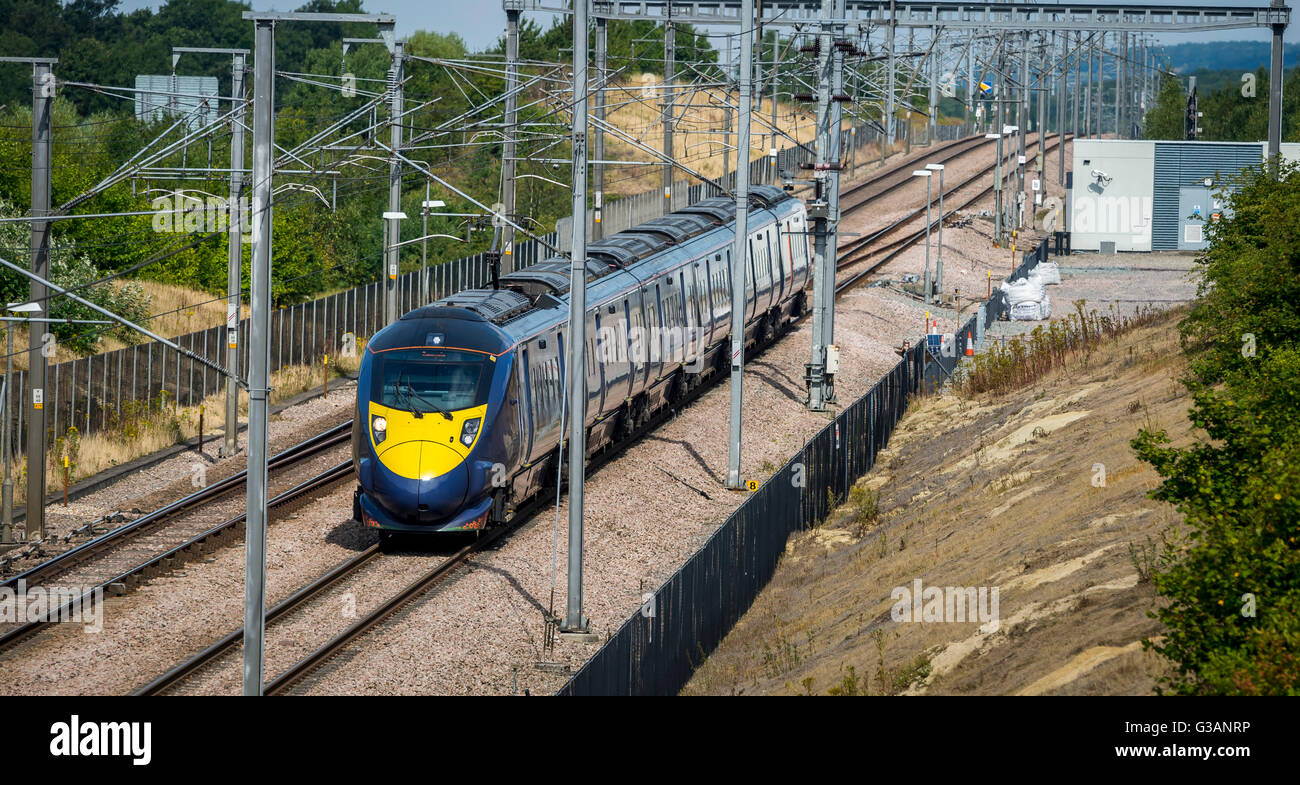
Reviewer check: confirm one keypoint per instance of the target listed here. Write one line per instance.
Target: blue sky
(482, 22)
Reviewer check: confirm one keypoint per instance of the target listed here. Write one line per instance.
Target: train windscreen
(431, 380)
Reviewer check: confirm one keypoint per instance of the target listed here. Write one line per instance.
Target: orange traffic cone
(970, 346)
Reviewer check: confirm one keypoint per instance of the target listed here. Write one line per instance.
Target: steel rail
(87, 550)
(859, 251)
(166, 560)
(295, 673)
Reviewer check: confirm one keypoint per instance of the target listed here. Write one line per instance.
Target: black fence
(656, 651)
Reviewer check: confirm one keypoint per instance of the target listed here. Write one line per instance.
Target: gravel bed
(481, 631)
(165, 620)
(165, 482)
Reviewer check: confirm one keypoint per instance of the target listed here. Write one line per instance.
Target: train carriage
(460, 403)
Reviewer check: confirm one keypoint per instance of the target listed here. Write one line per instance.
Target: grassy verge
(145, 427)
(1022, 361)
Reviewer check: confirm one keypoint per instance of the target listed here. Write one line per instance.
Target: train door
(704, 297)
(525, 408)
(545, 384)
(780, 262)
(635, 343)
(653, 305)
(762, 273)
(750, 280)
(799, 250)
(690, 346)
(612, 340)
(722, 292)
(595, 369)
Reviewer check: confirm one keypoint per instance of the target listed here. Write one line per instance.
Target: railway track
(875, 244)
(284, 682)
(856, 196)
(162, 540)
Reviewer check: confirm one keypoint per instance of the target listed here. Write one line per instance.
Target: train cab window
(431, 381)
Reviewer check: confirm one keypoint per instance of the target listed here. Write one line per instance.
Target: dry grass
(698, 135)
(159, 424)
(1000, 490)
(177, 311)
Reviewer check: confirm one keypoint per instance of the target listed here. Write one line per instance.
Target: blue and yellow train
(458, 413)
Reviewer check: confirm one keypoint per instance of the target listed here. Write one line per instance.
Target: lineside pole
(890, 109)
(670, 74)
(1078, 85)
(819, 213)
(259, 355)
(1087, 100)
(42, 113)
(835, 159)
(971, 87)
(509, 145)
(740, 246)
(576, 376)
(598, 142)
(1022, 118)
(235, 253)
(1275, 95)
(726, 122)
(1062, 90)
(932, 125)
(1118, 65)
(391, 250)
(1044, 96)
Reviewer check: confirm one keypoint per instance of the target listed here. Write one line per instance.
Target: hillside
(995, 492)
(1237, 56)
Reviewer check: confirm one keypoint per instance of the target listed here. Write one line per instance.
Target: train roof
(528, 296)
(463, 321)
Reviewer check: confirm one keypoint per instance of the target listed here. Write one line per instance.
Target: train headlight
(469, 431)
(380, 427)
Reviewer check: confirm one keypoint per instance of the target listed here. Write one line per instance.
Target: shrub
(1233, 593)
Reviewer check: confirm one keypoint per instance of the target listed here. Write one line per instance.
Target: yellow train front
(427, 446)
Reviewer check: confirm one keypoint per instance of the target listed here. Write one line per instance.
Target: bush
(1234, 591)
(71, 270)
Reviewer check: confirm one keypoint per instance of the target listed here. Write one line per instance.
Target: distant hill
(1227, 56)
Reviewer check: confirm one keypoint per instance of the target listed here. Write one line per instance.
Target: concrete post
(576, 375)
(740, 247)
(42, 111)
(235, 257)
(1275, 95)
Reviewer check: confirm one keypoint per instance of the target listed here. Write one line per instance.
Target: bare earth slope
(998, 491)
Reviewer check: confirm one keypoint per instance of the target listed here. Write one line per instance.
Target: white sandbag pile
(1048, 272)
(1024, 289)
(1027, 298)
(1032, 310)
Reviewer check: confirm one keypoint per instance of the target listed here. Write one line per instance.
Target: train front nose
(433, 475)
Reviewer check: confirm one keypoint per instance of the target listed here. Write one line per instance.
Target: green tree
(1168, 118)
(1234, 592)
